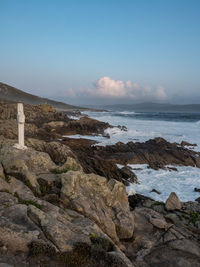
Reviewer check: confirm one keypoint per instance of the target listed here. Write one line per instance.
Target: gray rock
(104, 202)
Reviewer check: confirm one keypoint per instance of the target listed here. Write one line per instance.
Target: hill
(10, 93)
(156, 107)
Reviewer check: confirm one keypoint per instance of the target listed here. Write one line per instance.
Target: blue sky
(114, 51)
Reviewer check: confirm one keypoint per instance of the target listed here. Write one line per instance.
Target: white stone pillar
(21, 121)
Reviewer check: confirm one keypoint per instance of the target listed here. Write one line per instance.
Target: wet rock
(138, 200)
(184, 143)
(198, 199)
(85, 126)
(173, 202)
(172, 169)
(155, 191)
(197, 189)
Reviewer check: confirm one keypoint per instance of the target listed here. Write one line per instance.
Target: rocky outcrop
(173, 202)
(157, 153)
(25, 165)
(162, 237)
(58, 152)
(33, 226)
(105, 202)
(61, 203)
(45, 123)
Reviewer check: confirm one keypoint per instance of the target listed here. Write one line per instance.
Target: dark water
(159, 116)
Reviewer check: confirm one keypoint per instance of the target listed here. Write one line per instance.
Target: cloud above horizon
(107, 88)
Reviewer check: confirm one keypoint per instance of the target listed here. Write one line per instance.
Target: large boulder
(105, 202)
(58, 152)
(173, 202)
(25, 164)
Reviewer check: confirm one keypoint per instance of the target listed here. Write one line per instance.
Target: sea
(142, 126)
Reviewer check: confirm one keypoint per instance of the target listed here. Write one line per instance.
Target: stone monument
(21, 121)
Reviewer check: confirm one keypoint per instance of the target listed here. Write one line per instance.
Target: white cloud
(107, 88)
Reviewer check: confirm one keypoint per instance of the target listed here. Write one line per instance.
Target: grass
(43, 189)
(27, 202)
(30, 202)
(194, 216)
(157, 203)
(64, 170)
(100, 243)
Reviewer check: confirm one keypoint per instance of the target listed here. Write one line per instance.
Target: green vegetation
(30, 202)
(64, 170)
(43, 189)
(194, 216)
(27, 202)
(157, 203)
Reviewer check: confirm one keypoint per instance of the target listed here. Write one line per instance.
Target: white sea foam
(127, 112)
(182, 182)
(74, 117)
(142, 130)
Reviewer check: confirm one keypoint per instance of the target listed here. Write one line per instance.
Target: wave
(127, 112)
(130, 134)
(198, 122)
(182, 182)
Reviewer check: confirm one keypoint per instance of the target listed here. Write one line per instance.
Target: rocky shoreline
(63, 202)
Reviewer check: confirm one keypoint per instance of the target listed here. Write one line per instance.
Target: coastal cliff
(63, 202)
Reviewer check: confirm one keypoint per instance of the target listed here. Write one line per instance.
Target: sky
(102, 51)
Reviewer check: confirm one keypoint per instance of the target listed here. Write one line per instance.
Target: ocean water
(174, 127)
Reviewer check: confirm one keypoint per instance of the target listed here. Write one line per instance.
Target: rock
(2, 172)
(58, 152)
(123, 260)
(172, 169)
(184, 143)
(198, 199)
(172, 217)
(16, 229)
(86, 126)
(129, 175)
(155, 191)
(173, 202)
(103, 201)
(2, 264)
(25, 165)
(18, 188)
(160, 223)
(197, 189)
(4, 186)
(186, 246)
(70, 164)
(137, 200)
